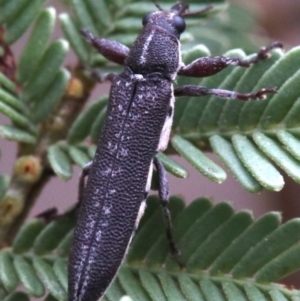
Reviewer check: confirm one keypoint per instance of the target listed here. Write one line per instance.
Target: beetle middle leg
(51, 214)
(85, 172)
(163, 191)
(81, 186)
(207, 66)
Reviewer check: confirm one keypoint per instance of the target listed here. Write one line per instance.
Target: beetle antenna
(198, 12)
(157, 5)
(180, 8)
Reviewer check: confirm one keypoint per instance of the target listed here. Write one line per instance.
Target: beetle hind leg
(193, 90)
(163, 191)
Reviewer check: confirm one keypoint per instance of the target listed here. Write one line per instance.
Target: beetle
(137, 125)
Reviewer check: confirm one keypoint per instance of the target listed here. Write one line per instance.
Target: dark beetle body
(136, 126)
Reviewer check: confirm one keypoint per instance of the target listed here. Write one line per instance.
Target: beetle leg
(85, 172)
(193, 90)
(51, 214)
(207, 66)
(103, 77)
(48, 215)
(163, 191)
(112, 50)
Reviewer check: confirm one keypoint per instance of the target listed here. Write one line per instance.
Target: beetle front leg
(163, 191)
(112, 50)
(211, 65)
(193, 90)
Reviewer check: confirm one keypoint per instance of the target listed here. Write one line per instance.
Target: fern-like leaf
(225, 253)
(241, 133)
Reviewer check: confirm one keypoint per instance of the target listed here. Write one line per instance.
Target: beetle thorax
(155, 50)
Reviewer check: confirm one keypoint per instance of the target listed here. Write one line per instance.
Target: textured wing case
(128, 142)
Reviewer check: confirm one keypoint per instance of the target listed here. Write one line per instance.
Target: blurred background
(272, 20)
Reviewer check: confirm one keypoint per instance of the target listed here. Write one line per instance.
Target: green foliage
(227, 255)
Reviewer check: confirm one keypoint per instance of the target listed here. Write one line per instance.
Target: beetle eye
(146, 19)
(179, 24)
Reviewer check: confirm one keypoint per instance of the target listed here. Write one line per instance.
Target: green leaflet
(4, 180)
(152, 286)
(49, 65)
(60, 162)
(278, 155)
(8, 276)
(64, 245)
(214, 245)
(25, 15)
(49, 278)
(50, 237)
(198, 159)
(228, 156)
(97, 125)
(171, 166)
(287, 235)
(16, 134)
(28, 277)
(12, 101)
(249, 238)
(36, 44)
(83, 124)
(115, 292)
(11, 9)
(78, 156)
(26, 236)
(169, 286)
(100, 14)
(190, 289)
(50, 100)
(15, 116)
(291, 143)
(7, 83)
(131, 284)
(82, 13)
(73, 36)
(61, 271)
(251, 157)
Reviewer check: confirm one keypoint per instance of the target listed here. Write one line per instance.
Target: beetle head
(173, 20)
